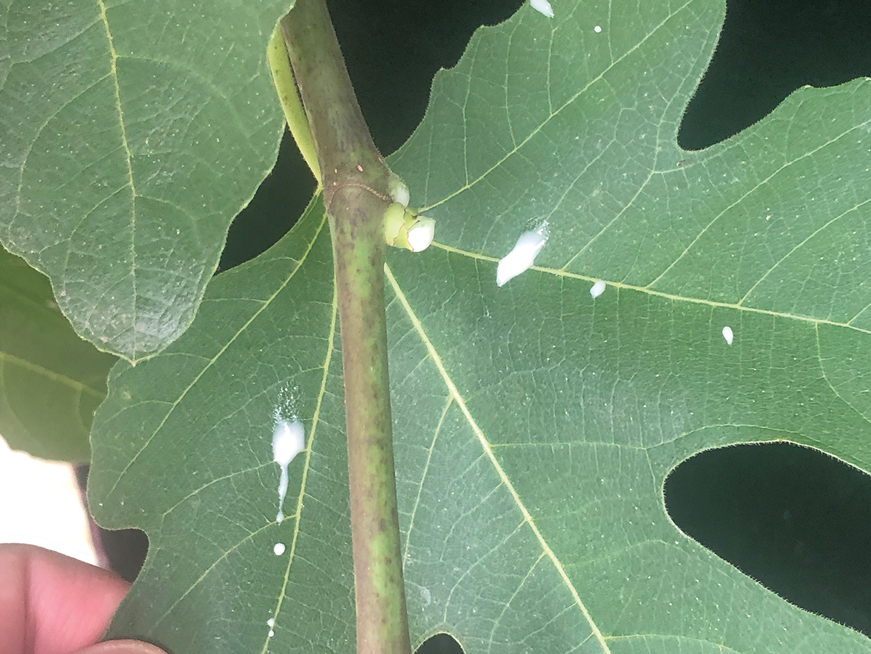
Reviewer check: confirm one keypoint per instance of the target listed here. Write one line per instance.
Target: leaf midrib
(488, 451)
(128, 157)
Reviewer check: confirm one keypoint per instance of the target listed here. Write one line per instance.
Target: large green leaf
(534, 425)
(51, 381)
(131, 134)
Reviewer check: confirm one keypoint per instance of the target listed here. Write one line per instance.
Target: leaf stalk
(294, 114)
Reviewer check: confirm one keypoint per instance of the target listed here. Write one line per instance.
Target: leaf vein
(50, 374)
(423, 479)
(217, 356)
(668, 296)
(749, 192)
(538, 129)
(128, 158)
(310, 446)
(488, 451)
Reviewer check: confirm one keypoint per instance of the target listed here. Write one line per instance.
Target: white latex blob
(597, 289)
(288, 440)
(542, 6)
(420, 236)
(522, 256)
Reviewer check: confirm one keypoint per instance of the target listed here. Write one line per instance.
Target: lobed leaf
(131, 134)
(534, 425)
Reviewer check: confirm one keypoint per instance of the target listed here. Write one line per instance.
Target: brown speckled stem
(355, 194)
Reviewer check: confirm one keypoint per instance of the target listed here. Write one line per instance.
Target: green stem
(355, 181)
(282, 76)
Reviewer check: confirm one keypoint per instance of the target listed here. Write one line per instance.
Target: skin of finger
(52, 604)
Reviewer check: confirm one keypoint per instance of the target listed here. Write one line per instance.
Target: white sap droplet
(278, 548)
(542, 6)
(288, 440)
(271, 622)
(523, 255)
(597, 29)
(271, 633)
(727, 334)
(420, 236)
(597, 289)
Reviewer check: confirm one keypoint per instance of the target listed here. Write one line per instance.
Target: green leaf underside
(534, 426)
(51, 381)
(131, 134)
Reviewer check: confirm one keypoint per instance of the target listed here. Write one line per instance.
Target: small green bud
(405, 229)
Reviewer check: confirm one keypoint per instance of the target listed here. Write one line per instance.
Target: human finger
(52, 604)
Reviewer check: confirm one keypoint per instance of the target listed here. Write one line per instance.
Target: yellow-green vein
(507, 604)
(423, 479)
(220, 352)
(826, 377)
(812, 235)
(488, 451)
(567, 103)
(201, 577)
(308, 451)
(113, 66)
(749, 192)
(52, 376)
(649, 291)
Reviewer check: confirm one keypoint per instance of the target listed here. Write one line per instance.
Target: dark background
(796, 520)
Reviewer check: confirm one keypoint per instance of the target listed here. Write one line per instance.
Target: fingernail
(121, 647)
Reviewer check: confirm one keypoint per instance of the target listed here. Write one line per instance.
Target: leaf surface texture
(131, 134)
(534, 425)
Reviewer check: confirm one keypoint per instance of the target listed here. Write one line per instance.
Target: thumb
(121, 647)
